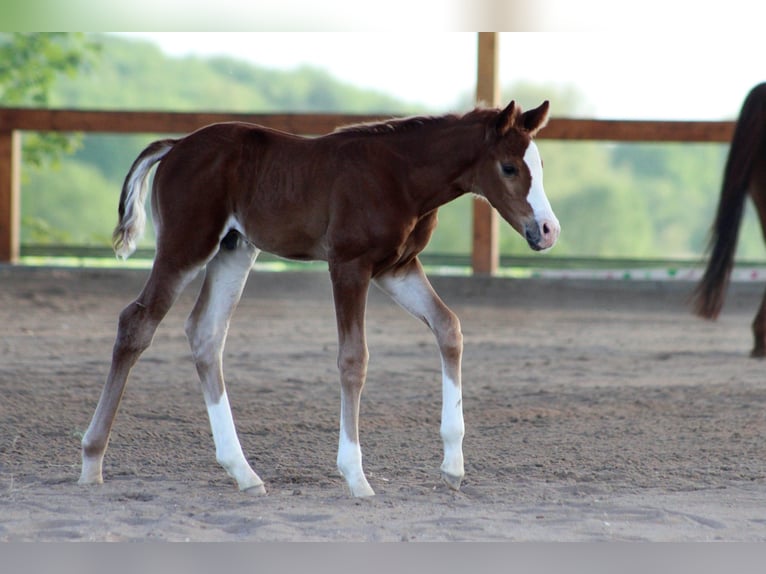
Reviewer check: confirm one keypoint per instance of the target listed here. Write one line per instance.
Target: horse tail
(749, 135)
(132, 220)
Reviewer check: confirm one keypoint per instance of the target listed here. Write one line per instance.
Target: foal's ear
(507, 118)
(534, 120)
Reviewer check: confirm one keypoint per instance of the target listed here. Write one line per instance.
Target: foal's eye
(509, 169)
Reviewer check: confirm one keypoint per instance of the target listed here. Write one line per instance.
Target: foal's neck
(432, 156)
(441, 159)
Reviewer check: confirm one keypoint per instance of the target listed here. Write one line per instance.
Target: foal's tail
(130, 226)
(749, 136)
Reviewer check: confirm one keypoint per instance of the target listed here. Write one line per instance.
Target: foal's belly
(298, 246)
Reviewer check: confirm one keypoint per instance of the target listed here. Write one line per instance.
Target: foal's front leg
(350, 285)
(410, 288)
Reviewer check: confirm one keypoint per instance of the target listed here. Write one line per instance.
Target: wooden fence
(15, 120)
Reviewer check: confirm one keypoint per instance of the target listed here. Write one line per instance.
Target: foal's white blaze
(228, 451)
(538, 201)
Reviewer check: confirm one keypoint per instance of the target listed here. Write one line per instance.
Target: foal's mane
(407, 124)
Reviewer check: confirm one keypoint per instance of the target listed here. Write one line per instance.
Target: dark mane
(399, 125)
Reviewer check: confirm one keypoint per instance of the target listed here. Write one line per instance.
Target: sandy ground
(594, 411)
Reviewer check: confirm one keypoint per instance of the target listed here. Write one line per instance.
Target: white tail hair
(132, 221)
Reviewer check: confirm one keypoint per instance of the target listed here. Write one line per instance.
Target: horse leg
(136, 327)
(410, 288)
(206, 329)
(350, 285)
(757, 192)
(759, 331)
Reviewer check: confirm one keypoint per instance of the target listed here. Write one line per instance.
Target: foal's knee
(352, 364)
(450, 338)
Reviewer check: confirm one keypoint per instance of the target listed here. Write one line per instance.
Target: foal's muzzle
(541, 235)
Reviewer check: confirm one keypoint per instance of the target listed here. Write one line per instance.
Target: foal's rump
(229, 176)
(190, 206)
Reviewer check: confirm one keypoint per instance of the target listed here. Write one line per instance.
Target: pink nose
(549, 233)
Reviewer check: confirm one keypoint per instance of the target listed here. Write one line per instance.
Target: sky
(664, 73)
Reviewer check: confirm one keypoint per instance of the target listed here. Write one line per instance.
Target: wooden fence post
(485, 255)
(10, 182)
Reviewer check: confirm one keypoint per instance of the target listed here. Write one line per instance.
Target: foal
(363, 198)
(744, 174)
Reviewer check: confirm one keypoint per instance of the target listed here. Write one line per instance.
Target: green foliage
(72, 204)
(77, 201)
(613, 200)
(30, 64)
(136, 75)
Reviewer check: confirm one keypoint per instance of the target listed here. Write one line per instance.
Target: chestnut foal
(363, 198)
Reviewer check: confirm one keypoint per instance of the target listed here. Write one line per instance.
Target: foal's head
(510, 175)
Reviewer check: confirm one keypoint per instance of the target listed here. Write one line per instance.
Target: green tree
(78, 203)
(74, 192)
(30, 64)
(613, 200)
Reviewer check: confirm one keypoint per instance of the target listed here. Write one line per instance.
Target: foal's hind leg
(206, 330)
(410, 288)
(137, 324)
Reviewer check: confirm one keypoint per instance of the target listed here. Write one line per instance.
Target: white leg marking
(452, 429)
(350, 462)
(228, 451)
(91, 472)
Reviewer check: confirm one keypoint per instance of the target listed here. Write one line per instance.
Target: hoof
(758, 353)
(453, 482)
(90, 472)
(361, 489)
(363, 492)
(88, 481)
(357, 483)
(257, 490)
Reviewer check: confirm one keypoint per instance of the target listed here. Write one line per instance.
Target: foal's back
(293, 196)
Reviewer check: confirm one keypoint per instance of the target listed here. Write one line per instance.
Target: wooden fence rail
(15, 120)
